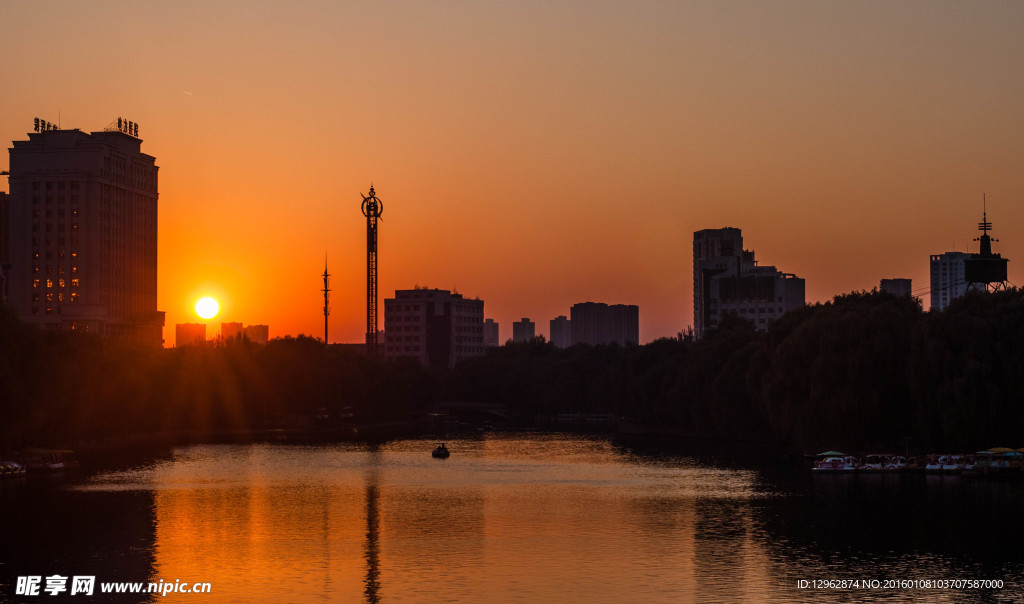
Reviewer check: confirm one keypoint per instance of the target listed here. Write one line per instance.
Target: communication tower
(372, 209)
(985, 271)
(327, 297)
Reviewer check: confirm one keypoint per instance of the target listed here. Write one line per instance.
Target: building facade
(560, 330)
(727, 279)
(257, 334)
(524, 330)
(596, 323)
(434, 326)
(492, 334)
(5, 261)
(896, 287)
(190, 334)
(83, 234)
(948, 278)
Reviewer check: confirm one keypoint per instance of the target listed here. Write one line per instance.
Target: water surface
(537, 518)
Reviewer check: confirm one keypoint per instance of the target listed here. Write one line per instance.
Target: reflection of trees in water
(372, 553)
(870, 523)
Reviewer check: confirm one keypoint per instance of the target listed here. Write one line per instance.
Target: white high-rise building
(948, 280)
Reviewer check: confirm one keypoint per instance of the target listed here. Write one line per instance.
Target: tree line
(864, 371)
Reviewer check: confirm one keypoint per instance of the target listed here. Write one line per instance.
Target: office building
(596, 323)
(523, 330)
(560, 330)
(83, 233)
(231, 331)
(948, 278)
(257, 334)
(434, 326)
(727, 279)
(190, 334)
(5, 263)
(896, 287)
(492, 335)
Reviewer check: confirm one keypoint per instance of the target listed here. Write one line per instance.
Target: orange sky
(538, 154)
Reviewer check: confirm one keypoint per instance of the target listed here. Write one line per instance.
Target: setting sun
(207, 308)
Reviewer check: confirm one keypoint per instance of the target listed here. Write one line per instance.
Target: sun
(207, 308)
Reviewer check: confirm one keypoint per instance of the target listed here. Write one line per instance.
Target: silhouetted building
(434, 326)
(597, 323)
(523, 330)
(5, 261)
(560, 330)
(231, 331)
(727, 279)
(190, 334)
(948, 278)
(83, 233)
(257, 334)
(4, 225)
(492, 334)
(985, 270)
(896, 287)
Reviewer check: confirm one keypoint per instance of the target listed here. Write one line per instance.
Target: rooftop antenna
(327, 297)
(985, 270)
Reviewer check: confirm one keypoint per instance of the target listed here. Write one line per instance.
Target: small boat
(935, 463)
(11, 469)
(836, 463)
(441, 451)
(883, 462)
(39, 461)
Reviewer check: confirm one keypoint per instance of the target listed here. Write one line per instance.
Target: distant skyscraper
(597, 323)
(727, 279)
(492, 337)
(896, 287)
(229, 331)
(189, 334)
(5, 260)
(523, 330)
(83, 232)
(948, 280)
(257, 334)
(560, 329)
(434, 326)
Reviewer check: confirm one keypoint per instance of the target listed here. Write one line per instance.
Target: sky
(537, 154)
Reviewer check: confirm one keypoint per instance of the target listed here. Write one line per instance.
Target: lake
(509, 518)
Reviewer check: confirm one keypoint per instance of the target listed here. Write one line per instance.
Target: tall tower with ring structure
(372, 209)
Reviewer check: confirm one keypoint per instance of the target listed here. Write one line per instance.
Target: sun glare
(207, 308)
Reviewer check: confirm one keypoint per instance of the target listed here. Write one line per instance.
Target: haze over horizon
(538, 155)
